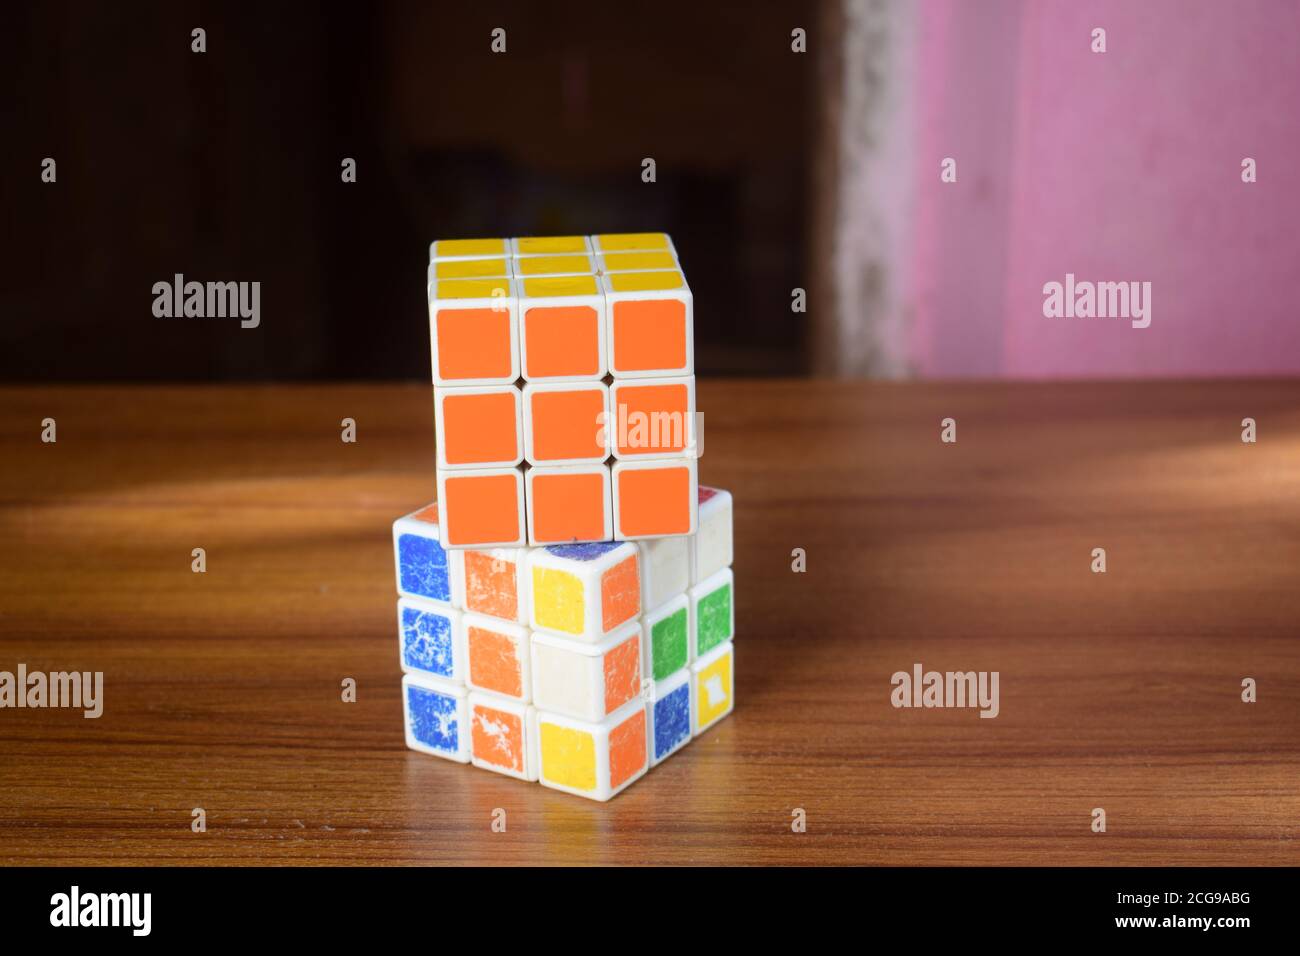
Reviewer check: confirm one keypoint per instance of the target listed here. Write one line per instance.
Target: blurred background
(776, 170)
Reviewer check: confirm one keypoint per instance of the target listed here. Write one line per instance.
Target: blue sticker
(423, 568)
(434, 719)
(672, 720)
(426, 641)
(583, 552)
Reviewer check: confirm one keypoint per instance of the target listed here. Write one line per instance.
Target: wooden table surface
(1119, 690)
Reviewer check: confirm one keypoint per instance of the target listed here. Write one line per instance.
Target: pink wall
(1117, 166)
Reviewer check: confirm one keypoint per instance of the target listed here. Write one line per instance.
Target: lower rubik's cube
(580, 666)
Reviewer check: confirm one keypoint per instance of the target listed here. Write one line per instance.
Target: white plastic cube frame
(620, 468)
(594, 301)
(590, 572)
(448, 518)
(705, 688)
(508, 303)
(440, 397)
(598, 427)
(619, 421)
(569, 677)
(517, 247)
(665, 569)
(600, 731)
(431, 640)
(484, 724)
(450, 720)
(663, 690)
(474, 604)
(711, 549)
(411, 524)
(542, 471)
(522, 639)
(612, 298)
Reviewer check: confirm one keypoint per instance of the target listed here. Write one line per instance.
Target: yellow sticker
(638, 261)
(543, 245)
(568, 757)
(553, 265)
(469, 247)
(631, 241)
(472, 288)
(470, 268)
(560, 285)
(645, 281)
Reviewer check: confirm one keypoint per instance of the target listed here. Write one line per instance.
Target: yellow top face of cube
(553, 265)
(472, 288)
(639, 261)
(470, 269)
(646, 281)
(560, 285)
(550, 245)
(631, 241)
(469, 247)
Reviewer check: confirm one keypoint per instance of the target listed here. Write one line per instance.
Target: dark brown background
(226, 166)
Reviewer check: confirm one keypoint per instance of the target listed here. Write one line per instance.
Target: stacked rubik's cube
(566, 610)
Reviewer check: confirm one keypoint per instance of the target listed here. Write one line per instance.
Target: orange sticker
(479, 428)
(491, 586)
(494, 662)
(649, 334)
(620, 594)
(561, 340)
(568, 507)
(481, 509)
(654, 501)
(473, 343)
(627, 749)
(622, 674)
(567, 424)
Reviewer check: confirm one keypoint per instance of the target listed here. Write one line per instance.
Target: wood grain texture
(1122, 690)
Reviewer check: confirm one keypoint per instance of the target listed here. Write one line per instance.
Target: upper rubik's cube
(564, 389)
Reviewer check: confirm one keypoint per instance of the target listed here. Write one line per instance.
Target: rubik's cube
(566, 610)
(564, 389)
(580, 666)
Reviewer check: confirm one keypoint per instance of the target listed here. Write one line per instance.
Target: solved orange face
(568, 507)
(654, 501)
(561, 340)
(568, 424)
(649, 334)
(473, 343)
(651, 419)
(479, 428)
(481, 509)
